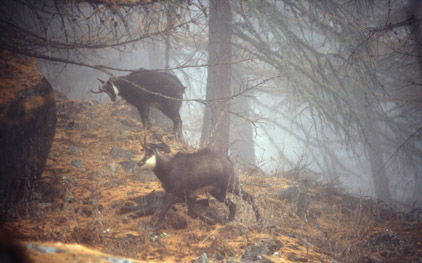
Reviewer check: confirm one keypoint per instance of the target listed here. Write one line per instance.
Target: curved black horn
(99, 91)
(102, 81)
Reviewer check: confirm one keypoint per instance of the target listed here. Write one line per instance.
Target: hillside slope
(91, 173)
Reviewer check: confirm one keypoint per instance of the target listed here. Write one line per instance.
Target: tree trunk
(375, 157)
(413, 14)
(215, 129)
(241, 131)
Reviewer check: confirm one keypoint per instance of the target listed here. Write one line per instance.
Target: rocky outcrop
(68, 253)
(27, 128)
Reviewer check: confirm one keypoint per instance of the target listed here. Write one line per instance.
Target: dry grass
(81, 205)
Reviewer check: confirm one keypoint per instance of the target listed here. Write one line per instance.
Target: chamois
(188, 174)
(161, 83)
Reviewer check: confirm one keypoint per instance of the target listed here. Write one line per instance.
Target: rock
(255, 253)
(201, 259)
(68, 253)
(27, 128)
(72, 149)
(128, 166)
(218, 257)
(77, 163)
(44, 249)
(118, 153)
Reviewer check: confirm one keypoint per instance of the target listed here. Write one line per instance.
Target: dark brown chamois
(162, 83)
(188, 174)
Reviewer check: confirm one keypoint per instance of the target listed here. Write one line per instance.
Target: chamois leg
(143, 110)
(177, 128)
(232, 208)
(168, 201)
(174, 115)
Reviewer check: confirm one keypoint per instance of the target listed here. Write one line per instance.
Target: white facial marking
(116, 90)
(150, 163)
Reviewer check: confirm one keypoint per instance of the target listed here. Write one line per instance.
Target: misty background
(329, 87)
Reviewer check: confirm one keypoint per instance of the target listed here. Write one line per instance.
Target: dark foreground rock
(67, 253)
(27, 128)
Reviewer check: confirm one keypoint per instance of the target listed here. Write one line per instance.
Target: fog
(289, 130)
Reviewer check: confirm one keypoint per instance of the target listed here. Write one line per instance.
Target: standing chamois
(161, 83)
(188, 174)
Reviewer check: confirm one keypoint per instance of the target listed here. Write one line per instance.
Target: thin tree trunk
(215, 129)
(170, 23)
(375, 157)
(414, 11)
(242, 133)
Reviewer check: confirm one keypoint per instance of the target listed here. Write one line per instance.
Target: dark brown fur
(154, 81)
(188, 174)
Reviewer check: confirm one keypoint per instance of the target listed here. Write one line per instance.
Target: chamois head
(150, 151)
(109, 88)
(148, 159)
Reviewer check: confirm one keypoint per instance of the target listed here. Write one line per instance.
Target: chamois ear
(102, 81)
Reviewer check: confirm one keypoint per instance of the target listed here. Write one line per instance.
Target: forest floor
(91, 173)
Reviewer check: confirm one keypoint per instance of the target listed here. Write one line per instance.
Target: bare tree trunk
(379, 173)
(241, 134)
(413, 14)
(216, 125)
(170, 23)
(373, 142)
(241, 131)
